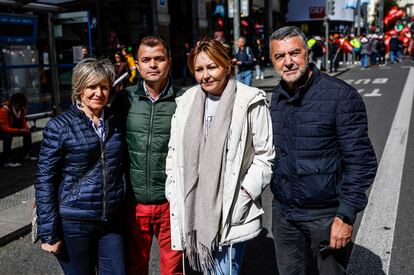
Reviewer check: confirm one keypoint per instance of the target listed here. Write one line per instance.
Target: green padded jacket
(147, 133)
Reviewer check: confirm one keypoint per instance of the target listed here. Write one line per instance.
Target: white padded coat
(248, 165)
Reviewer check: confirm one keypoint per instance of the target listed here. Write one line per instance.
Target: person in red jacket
(13, 122)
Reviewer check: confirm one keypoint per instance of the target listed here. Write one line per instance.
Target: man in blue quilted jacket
(324, 160)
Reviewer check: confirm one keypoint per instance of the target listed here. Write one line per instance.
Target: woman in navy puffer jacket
(79, 185)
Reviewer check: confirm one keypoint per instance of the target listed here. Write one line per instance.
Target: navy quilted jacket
(324, 159)
(78, 175)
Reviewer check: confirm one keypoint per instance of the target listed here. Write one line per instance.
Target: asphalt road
(381, 89)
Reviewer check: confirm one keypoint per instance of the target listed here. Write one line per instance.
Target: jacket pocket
(317, 185)
(241, 208)
(306, 167)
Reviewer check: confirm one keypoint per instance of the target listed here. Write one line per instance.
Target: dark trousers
(7, 144)
(92, 247)
(381, 58)
(300, 247)
(373, 57)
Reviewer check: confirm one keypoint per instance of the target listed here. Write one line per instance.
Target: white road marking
(375, 92)
(367, 81)
(380, 81)
(363, 81)
(376, 232)
(361, 90)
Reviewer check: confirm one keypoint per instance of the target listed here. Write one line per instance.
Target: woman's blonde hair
(215, 50)
(88, 72)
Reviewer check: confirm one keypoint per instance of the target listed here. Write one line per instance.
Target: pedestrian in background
(219, 163)
(317, 52)
(146, 110)
(324, 160)
(85, 52)
(356, 43)
(79, 184)
(334, 45)
(373, 49)
(364, 52)
(121, 67)
(131, 64)
(394, 48)
(13, 123)
(244, 59)
(381, 49)
(260, 53)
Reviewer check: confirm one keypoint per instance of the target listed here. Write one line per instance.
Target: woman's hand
(52, 248)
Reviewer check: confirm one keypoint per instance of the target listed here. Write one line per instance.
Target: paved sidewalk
(16, 186)
(17, 193)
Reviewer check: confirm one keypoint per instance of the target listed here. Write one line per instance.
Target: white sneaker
(261, 77)
(12, 164)
(29, 157)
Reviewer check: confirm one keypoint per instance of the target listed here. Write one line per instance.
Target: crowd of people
(189, 167)
(366, 49)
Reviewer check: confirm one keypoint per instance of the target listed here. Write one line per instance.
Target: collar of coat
(167, 91)
(281, 90)
(107, 117)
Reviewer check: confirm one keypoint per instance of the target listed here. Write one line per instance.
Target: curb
(12, 236)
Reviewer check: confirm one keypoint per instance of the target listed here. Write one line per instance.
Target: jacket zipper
(149, 140)
(104, 180)
(104, 168)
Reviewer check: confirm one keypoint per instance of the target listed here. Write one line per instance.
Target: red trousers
(145, 221)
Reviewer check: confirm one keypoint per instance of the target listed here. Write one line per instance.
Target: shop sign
(316, 12)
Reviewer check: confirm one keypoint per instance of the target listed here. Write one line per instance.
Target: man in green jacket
(147, 109)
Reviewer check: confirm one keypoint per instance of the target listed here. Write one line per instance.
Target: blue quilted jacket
(78, 175)
(324, 159)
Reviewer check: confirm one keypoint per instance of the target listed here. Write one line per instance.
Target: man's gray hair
(88, 72)
(288, 32)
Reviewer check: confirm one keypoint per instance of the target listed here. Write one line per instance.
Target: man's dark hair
(18, 99)
(288, 32)
(153, 41)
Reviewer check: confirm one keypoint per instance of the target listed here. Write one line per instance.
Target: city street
(383, 236)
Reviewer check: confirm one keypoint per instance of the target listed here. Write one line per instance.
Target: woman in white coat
(219, 162)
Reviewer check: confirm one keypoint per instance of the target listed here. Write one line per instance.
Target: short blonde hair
(214, 49)
(88, 72)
